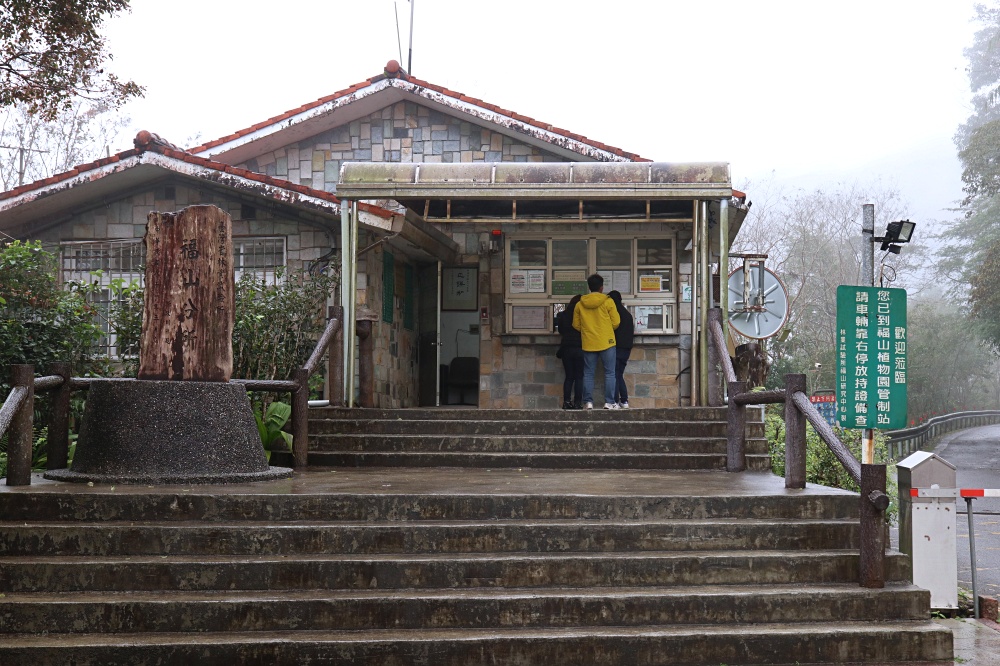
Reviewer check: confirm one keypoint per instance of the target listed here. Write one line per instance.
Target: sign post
(871, 357)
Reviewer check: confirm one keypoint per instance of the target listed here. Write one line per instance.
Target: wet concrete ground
(977, 642)
(466, 481)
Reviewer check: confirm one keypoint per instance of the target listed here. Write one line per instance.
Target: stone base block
(144, 431)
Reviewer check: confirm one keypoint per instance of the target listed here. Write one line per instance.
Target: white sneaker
(588, 405)
(622, 405)
(611, 405)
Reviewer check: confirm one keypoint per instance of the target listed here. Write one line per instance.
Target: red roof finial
(142, 139)
(393, 70)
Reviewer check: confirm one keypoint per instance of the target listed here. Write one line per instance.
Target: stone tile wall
(522, 371)
(126, 219)
(404, 132)
(527, 375)
(396, 372)
(513, 373)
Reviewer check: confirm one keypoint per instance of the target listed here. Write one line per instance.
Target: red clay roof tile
(153, 143)
(392, 71)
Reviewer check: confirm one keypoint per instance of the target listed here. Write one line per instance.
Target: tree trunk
(187, 323)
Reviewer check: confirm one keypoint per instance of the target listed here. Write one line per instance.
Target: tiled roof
(149, 142)
(393, 72)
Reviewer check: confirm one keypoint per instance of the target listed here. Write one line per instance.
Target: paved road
(976, 455)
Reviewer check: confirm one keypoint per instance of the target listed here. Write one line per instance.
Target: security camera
(818, 365)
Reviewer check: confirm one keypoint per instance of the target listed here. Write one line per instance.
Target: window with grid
(104, 262)
(262, 257)
(543, 273)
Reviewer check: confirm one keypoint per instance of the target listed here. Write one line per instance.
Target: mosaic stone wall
(522, 371)
(125, 219)
(404, 132)
(527, 375)
(396, 377)
(517, 371)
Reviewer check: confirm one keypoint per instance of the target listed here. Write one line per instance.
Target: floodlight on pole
(896, 233)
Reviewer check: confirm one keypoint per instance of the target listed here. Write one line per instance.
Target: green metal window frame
(388, 286)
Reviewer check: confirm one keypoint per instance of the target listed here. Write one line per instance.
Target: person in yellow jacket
(596, 317)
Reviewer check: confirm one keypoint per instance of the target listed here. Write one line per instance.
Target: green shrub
(40, 322)
(822, 467)
(39, 451)
(275, 326)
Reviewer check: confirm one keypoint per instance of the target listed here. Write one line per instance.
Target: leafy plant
(822, 466)
(276, 325)
(39, 321)
(270, 425)
(39, 451)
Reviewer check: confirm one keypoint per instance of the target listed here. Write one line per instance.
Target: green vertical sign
(871, 357)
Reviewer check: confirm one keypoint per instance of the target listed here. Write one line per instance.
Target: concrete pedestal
(157, 432)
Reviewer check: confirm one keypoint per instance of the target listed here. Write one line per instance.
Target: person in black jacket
(571, 353)
(623, 348)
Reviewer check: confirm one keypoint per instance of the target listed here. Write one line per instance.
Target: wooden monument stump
(187, 325)
(181, 421)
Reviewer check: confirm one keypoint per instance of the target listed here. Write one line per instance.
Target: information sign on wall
(871, 357)
(826, 405)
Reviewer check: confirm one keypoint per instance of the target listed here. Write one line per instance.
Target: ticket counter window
(543, 273)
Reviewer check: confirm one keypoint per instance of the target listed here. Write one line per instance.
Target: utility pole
(868, 280)
(20, 160)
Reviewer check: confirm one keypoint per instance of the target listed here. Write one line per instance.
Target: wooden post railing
(17, 413)
(58, 440)
(736, 442)
(795, 434)
(871, 479)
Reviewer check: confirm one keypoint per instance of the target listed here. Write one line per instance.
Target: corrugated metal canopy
(535, 180)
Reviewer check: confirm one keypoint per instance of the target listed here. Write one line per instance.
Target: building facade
(441, 277)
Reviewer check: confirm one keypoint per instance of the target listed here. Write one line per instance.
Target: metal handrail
(902, 443)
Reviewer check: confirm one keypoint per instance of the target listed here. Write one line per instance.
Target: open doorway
(459, 336)
(429, 341)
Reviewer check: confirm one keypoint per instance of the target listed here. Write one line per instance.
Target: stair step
(816, 643)
(390, 571)
(718, 414)
(241, 538)
(496, 444)
(127, 612)
(550, 428)
(536, 460)
(416, 494)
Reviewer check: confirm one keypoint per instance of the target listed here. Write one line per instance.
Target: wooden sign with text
(187, 323)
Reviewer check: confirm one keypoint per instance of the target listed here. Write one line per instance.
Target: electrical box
(927, 526)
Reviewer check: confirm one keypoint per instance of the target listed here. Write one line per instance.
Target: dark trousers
(573, 384)
(621, 360)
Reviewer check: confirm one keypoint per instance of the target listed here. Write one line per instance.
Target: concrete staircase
(458, 565)
(667, 439)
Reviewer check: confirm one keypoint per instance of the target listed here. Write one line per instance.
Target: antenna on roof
(409, 59)
(399, 42)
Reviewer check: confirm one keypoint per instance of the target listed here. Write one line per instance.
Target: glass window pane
(569, 253)
(528, 252)
(654, 251)
(614, 252)
(649, 318)
(655, 281)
